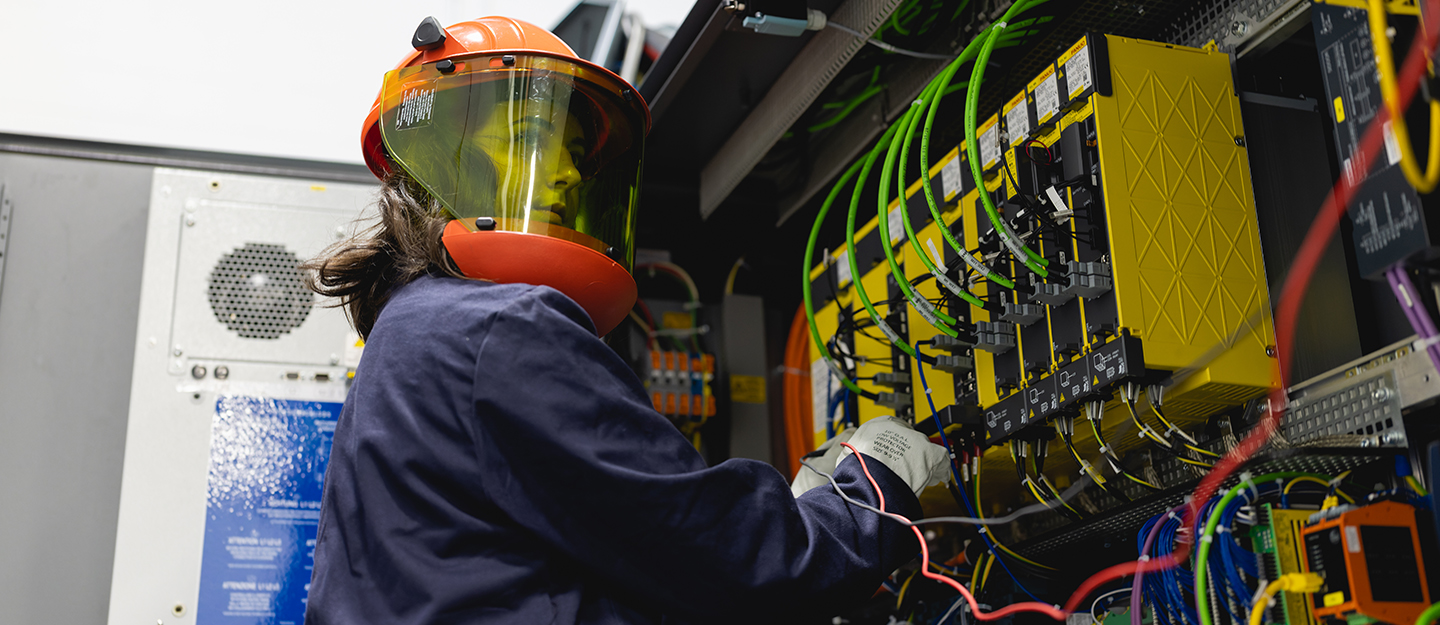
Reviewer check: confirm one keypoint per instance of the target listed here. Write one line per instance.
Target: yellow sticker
(748, 389)
(675, 320)
(1339, 110)
(1335, 598)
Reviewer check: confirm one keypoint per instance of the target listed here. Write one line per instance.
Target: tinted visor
(542, 145)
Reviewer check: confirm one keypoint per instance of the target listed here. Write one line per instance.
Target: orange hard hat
(492, 35)
(534, 151)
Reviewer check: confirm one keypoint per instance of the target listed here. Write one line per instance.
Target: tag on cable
(1062, 212)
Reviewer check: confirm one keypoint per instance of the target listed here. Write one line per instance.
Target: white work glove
(807, 479)
(908, 453)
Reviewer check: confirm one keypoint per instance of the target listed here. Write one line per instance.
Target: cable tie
(1144, 558)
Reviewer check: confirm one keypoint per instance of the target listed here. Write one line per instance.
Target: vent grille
(258, 291)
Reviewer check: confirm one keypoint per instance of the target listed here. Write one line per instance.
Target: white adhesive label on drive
(990, 146)
(1047, 96)
(1017, 120)
(1352, 539)
(1077, 72)
(950, 181)
(842, 269)
(896, 224)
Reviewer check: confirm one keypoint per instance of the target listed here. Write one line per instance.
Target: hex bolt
(1381, 394)
(177, 352)
(1393, 438)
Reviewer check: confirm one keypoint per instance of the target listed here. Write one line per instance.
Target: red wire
(1028, 606)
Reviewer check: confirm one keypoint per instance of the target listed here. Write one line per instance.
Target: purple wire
(1135, 590)
(1407, 296)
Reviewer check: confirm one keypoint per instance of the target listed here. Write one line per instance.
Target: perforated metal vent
(258, 291)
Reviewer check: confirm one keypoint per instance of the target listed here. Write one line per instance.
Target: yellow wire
(730, 279)
(975, 578)
(1115, 459)
(1035, 466)
(980, 514)
(900, 598)
(1289, 582)
(1197, 463)
(1316, 480)
(1202, 451)
(1414, 485)
(1390, 92)
(985, 577)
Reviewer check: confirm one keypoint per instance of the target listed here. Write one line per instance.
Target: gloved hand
(807, 479)
(908, 453)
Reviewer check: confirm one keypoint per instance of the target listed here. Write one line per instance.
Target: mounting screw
(222, 372)
(178, 609)
(1393, 438)
(446, 66)
(733, 6)
(197, 371)
(1270, 351)
(177, 352)
(1239, 28)
(1381, 394)
(334, 360)
(189, 221)
(1240, 141)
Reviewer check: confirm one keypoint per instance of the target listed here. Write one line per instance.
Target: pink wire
(1029, 606)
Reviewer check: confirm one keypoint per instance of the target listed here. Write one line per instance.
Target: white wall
(291, 78)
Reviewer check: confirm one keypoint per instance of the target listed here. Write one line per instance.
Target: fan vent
(258, 291)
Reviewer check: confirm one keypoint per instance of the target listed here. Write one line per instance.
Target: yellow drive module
(1150, 233)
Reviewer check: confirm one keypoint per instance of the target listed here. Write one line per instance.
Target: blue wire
(970, 508)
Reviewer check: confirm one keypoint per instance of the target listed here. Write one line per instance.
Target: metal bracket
(4, 233)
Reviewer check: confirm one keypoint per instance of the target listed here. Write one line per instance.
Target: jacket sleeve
(570, 447)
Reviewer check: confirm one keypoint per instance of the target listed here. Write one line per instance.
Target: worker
(495, 461)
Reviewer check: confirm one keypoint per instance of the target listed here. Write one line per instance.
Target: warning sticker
(896, 223)
(989, 138)
(1078, 76)
(267, 468)
(1047, 95)
(747, 389)
(950, 181)
(1017, 119)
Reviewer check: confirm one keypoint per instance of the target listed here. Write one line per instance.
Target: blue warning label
(267, 469)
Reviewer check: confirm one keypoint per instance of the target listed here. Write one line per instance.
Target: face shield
(540, 144)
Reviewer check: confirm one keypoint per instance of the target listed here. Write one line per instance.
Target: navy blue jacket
(495, 462)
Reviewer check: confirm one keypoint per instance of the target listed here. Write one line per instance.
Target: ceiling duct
(803, 81)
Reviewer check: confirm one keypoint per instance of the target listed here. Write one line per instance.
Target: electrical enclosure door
(238, 377)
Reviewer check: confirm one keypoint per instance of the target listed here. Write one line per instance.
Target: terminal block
(1021, 314)
(951, 344)
(1051, 294)
(1088, 280)
(996, 338)
(898, 381)
(955, 364)
(897, 401)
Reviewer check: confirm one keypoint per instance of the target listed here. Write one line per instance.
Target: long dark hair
(404, 244)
